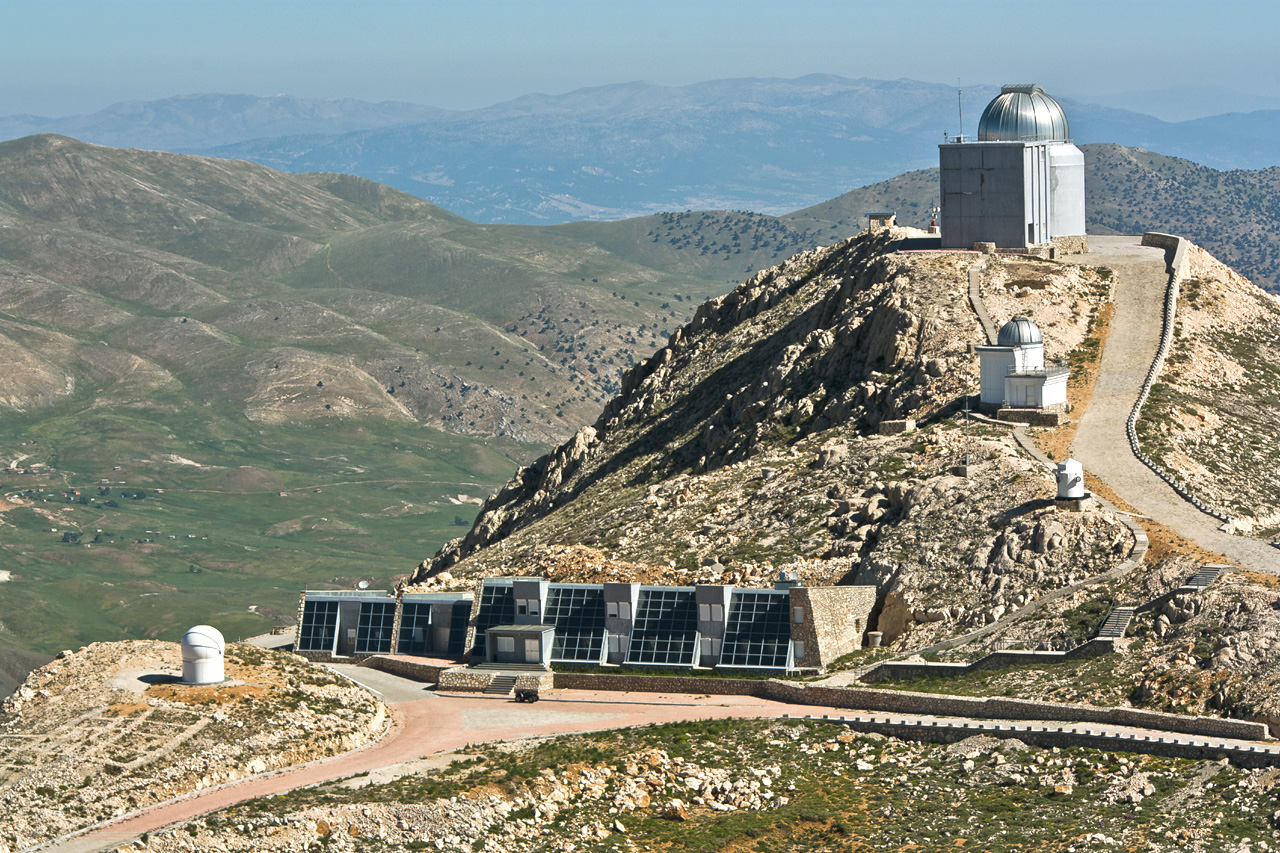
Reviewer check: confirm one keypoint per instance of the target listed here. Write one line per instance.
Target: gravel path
(1100, 443)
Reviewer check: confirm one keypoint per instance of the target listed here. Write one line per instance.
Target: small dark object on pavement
(526, 695)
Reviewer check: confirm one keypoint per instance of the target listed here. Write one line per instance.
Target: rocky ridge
(750, 444)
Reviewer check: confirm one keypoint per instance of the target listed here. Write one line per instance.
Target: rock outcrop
(107, 730)
(751, 443)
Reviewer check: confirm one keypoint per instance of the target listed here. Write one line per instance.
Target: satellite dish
(362, 585)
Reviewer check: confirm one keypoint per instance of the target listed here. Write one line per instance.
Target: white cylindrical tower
(1066, 190)
(1070, 480)
(202, 649)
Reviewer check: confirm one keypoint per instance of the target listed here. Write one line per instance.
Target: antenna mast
(960, 108)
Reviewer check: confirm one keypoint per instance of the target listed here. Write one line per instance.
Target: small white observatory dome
(1023, 113)
(202, 649)
(1070, 480)
(1019, 332)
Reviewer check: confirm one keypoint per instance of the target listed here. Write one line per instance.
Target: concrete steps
(1116, 623)
(501, 685)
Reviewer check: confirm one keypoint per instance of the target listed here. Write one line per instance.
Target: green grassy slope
(157, 305)
(309, 379)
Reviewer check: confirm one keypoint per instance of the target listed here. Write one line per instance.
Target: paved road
(428, 723)
(1100, 443)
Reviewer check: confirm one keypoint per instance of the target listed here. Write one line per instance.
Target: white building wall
(1035, 176)
(1029, 356)
(994, 363)
(1066, 186)
(1055, 390)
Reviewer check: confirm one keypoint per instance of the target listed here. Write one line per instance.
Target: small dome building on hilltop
(1014, 374)
(202, 650)
(1020, 184)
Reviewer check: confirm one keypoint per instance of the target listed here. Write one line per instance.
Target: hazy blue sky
(68, 56)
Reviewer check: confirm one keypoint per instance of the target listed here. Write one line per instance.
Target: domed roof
(203, 640)
(1019, 331)
(1023, 114)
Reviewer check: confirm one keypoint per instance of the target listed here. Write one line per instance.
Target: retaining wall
(330, 657)
(1175, 251)
(412, 670)
(897, 670)
(462, 680)
(1062, 737)
(905, 702)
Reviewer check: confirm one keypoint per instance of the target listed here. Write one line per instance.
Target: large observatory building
(1021, 184)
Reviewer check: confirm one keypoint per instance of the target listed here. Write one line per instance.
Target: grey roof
(1018, 332)
(1023, 113)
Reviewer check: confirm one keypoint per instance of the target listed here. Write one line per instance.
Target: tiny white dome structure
(1070, 480)
(202, 649)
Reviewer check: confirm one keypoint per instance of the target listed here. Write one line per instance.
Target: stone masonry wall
(904, 702)
(835, 619)
(1071, 245)
(429, 673)
(1050, 736)
(893, 670)
(462, 680)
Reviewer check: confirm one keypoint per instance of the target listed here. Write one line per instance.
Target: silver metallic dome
(1019, 331)
(1023, 114)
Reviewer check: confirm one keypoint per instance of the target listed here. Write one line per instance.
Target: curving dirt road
(1100, 444)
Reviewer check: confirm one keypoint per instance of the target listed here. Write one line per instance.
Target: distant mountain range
(767, 145)
(202, 121)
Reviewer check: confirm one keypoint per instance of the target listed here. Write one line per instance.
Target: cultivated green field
(218, 523)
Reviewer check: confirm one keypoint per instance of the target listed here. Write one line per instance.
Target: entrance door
(532, 651)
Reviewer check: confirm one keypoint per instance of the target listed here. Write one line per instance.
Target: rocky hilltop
(1213, 420)
(753, 440)
(107, 730)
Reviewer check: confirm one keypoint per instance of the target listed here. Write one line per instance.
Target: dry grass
(1056, 443)
(1163, 541)
(211, 694)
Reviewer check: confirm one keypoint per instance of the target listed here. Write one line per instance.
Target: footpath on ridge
(1101, 445)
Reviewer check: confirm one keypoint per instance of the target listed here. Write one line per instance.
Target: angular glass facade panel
(665, 629)
(415, 629)
(319, 626)
(757, 633)
(578, 616)
(459, 617)
(373, 632)
(497, 607)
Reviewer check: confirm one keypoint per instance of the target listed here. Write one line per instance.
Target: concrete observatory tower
(202, 649)
(1021, 184)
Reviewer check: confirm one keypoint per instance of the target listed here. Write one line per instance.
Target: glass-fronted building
(536, 621)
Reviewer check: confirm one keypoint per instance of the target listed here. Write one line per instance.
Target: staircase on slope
(1117, 622)
(1203, 577)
